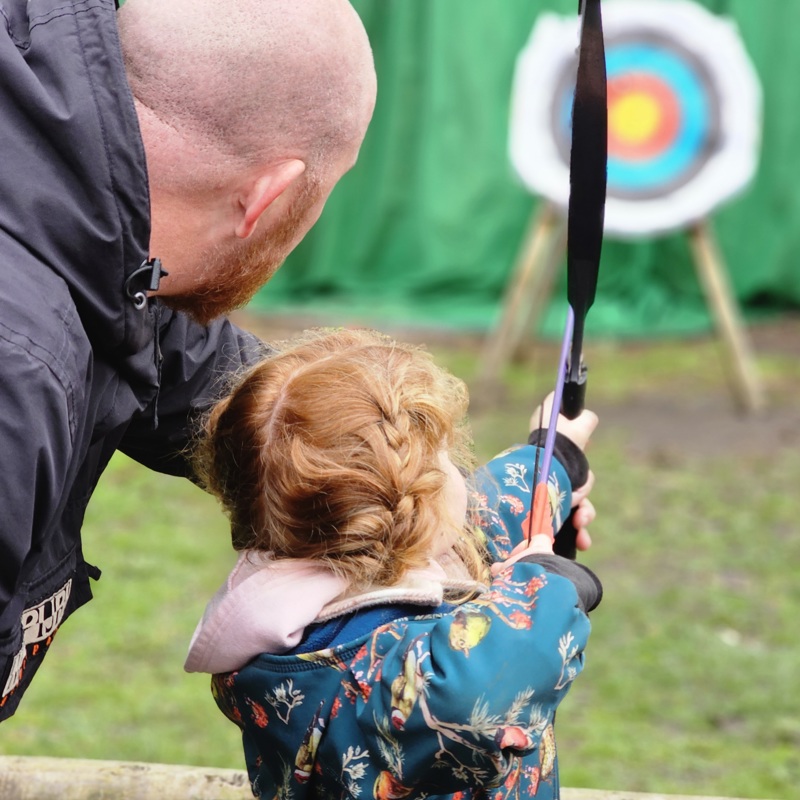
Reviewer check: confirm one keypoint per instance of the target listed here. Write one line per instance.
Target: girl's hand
(543, 544)
(539, 544)
(583, 517)
(579, 430)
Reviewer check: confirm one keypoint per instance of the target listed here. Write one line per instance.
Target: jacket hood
(266, 604)
(73, 176)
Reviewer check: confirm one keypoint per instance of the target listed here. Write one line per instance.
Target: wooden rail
(34, 778)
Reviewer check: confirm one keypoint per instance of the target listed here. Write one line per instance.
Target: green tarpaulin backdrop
(426, 227)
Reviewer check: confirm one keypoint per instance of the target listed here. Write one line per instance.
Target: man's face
(230, 276)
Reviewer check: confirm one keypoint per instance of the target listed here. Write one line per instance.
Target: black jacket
(80, 362)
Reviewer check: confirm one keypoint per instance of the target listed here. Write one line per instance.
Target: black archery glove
(569, 455)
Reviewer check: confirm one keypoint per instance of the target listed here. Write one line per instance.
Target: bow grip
(574, 393)
(572, 404)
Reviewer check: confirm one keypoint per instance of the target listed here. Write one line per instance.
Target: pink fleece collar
(265, 605)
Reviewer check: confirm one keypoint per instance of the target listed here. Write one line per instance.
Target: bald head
(250, 111)
(252, 81)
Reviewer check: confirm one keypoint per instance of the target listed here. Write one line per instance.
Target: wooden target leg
(543, 289)
(523, 286)
(711, 270)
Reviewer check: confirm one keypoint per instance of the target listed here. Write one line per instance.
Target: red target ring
(643, 116)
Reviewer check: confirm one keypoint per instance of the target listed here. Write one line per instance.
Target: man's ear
(260, 194)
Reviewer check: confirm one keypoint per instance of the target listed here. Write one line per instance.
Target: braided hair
(330, 450)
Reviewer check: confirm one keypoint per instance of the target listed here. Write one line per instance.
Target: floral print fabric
(458, 704)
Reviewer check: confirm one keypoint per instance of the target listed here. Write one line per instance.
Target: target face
(684, 110)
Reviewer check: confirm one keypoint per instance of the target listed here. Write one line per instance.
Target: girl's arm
(504, 487)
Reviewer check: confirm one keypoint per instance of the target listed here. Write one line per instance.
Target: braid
(331, 450)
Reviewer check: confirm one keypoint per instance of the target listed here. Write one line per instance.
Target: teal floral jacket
(458, 702)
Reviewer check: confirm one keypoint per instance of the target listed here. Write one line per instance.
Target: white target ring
(684, 113)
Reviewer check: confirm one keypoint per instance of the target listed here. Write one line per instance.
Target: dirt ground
(711, 422)
(667, 419)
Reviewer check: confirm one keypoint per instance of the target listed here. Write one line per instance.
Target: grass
(691, 683)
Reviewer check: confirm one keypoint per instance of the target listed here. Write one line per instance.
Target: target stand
(531, 287)
(684, 111)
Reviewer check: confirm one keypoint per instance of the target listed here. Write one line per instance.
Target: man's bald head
(252, 81)
(250, 112)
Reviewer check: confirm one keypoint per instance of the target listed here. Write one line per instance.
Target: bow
(588, 166)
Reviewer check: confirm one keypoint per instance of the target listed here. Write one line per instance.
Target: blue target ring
(695, 118)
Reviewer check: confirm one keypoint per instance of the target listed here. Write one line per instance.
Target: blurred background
(691, 683)
(427, 226)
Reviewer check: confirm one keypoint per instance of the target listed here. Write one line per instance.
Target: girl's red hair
(329, 449)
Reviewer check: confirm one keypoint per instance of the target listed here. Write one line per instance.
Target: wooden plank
(37, 778)
(33, 778)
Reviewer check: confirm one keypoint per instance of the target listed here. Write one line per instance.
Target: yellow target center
(635, 117)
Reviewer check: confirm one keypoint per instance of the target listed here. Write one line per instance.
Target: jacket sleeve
(37, 435)
(198, 363)
(503, 492)
(457, 698)
(504, 499)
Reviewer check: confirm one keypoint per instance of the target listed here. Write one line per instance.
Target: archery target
(684, 110)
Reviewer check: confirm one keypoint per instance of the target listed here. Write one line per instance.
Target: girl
(386, 633)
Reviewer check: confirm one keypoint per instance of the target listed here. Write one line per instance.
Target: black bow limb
(585, 215)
